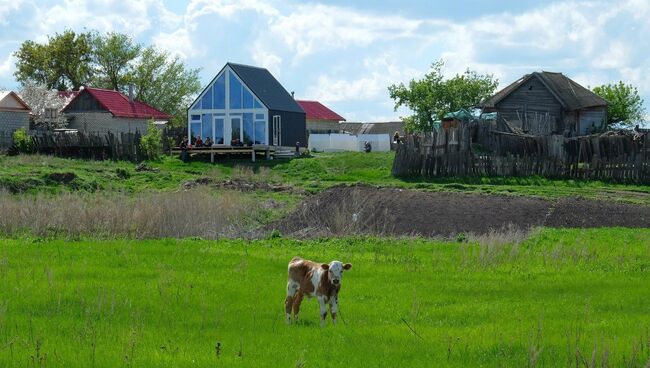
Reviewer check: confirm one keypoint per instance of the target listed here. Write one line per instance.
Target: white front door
(219, 131)
(236, 138)
(277, 130)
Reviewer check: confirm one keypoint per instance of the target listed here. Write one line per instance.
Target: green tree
(625, 105)
(63, 63)
(151, 143)
(114, 55)
(165, 83)
(433, 96)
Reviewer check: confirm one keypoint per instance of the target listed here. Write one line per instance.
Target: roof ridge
(246, 65)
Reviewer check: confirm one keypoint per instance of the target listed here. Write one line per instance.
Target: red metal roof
(120, 106)
(317, 111)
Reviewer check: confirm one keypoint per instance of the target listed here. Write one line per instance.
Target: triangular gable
(213, 96)
(9, 100)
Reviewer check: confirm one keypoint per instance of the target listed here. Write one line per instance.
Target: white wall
(347, 142)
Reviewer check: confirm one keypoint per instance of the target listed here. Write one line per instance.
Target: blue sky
(345, 53)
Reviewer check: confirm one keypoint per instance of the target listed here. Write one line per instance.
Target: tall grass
(195, 213)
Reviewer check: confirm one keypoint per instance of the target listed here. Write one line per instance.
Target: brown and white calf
(321, 280)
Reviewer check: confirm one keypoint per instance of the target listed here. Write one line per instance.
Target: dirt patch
(63, 177)
(578, 212)
(345, 210)
(240, 185)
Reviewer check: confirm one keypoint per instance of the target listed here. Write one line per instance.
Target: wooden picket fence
(616, 158)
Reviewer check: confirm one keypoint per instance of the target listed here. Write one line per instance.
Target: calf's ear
(325, 266)
(347, 266)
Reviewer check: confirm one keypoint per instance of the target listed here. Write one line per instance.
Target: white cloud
(381, 73)
(8, 7)
(178, 43)
(318, 28)
(7, 67)
(226, 8)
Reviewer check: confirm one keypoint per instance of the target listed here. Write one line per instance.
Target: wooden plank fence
(620, 158)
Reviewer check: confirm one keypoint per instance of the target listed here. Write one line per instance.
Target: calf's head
(335, 271)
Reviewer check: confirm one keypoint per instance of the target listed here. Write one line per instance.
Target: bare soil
(345, 210)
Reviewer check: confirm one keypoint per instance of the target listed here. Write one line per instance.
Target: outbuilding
(546, 103)
(244, 106)
(320, 118)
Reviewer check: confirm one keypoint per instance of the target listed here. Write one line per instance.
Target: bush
(23, 142)
(151, 143)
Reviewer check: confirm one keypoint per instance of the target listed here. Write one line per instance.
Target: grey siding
(294, 128)
(11, 121)
(591, 119)
(103, 122)
(535, 104)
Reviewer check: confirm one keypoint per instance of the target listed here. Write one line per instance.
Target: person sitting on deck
(236, 143)
(198, 142)
(183, 147)
(208, 142)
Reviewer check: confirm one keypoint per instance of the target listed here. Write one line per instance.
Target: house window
(195, 128)
(51, 113)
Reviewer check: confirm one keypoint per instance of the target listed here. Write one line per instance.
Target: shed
(320, 118)
(14, 114)
(545, 103)
(246, 105)
(388, 127)
(96, 110)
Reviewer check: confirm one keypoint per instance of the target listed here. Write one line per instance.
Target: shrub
(151, 143)
(23, 141)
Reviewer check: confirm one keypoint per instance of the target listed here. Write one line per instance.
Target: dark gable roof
(569, 93)
(262, 83)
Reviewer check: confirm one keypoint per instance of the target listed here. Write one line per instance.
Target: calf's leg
(334, 308)
(323, 310)
(292, 289)
(296, 304)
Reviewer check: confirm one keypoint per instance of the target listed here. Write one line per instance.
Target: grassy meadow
(34, 174)
(555, 298)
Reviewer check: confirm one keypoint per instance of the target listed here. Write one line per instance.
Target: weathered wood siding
(528, 103)
(591, 119)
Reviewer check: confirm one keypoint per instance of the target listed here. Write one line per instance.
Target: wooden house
(546, 103)
(246, 105)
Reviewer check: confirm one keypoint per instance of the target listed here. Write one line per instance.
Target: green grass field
(560, 298)
(33, 174)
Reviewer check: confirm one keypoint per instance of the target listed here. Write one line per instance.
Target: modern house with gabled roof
(320, 118)
(96, 110)
(246, 105)
(542, 103)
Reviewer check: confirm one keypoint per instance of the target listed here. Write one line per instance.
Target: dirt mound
(63, 177)
(364, 209)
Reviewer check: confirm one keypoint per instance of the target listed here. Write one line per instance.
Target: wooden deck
(268, 151)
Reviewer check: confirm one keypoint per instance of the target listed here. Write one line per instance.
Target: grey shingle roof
(266, 88)
(569, 93)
